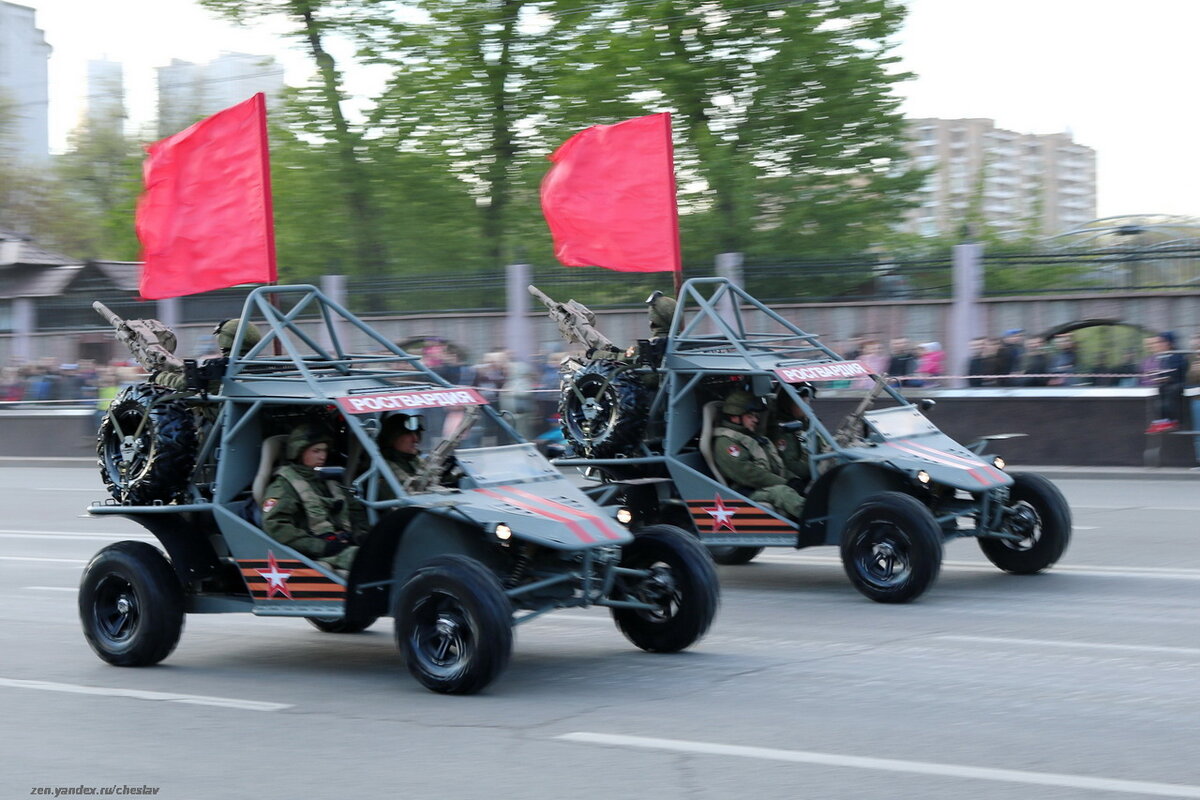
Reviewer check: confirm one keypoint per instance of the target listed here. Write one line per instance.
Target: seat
(711, 414)
(269, 456)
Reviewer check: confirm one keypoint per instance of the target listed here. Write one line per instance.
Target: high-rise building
(105, 98)
(24, 86)
(188, 92)
(1015, 183)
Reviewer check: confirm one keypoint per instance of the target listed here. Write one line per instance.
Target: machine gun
(430, 474)
(851, 429)
(151, 342)
(575, 323)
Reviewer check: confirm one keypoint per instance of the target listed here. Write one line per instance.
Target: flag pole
(677, 272)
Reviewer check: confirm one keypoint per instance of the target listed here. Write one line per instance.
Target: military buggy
(490, 535)
(886, 486)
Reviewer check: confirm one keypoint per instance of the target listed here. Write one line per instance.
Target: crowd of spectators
(77, 384)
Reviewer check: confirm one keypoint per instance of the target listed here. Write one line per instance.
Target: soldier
(751, 463)
(226, 331)
(400, 443)
(790, 440)
(661, 310)
(309, 514)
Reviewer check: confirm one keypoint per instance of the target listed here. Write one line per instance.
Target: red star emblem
(276, 577)
(722, 516)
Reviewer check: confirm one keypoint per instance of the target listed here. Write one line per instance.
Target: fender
(185, 538)
(836, 495)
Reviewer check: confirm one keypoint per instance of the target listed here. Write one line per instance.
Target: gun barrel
(540, 295)
(107, 313)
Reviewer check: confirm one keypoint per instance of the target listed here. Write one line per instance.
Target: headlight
(923, 476)
(624, 516)
(999, 463)
(503, 532)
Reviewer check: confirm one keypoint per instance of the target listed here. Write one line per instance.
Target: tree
(324, 118)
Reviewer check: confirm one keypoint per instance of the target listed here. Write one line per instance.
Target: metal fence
(1174, 268)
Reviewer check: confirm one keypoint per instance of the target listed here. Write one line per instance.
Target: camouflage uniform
(226, 332)
(789, 443)
(171, 378)
(751, 463)
(312, 515)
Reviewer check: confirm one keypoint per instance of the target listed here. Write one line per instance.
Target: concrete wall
(1071, 427)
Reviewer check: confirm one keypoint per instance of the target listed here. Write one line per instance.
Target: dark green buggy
(488, 536)
(885, 486)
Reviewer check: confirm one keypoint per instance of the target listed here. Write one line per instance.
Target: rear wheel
(454, 625)
(732, 555)
(1039, 514)
(680, 584)
(131, 605)
(892, 548)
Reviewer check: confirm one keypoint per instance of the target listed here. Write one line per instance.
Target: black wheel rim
(1025, 522)
(882, 555)
(115, 610)
(127, 453)
(659, 589)
(594, 411)
(442, 638)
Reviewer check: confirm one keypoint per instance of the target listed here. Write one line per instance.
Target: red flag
(609, 199)
(205, 219)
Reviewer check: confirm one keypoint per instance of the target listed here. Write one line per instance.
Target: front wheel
(679, 583)
(892, 548)
(131, 605)
(1039, 514)
(454, 625)
(733, 555)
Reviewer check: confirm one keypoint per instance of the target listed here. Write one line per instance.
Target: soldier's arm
(738, 467)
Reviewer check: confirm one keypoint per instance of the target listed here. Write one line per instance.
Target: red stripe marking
(600, 522)
(938, 458)
(975, 464)
(571, 524)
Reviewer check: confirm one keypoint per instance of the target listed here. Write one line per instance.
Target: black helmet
(396, 424)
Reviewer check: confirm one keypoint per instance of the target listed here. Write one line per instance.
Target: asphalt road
(1079, 683)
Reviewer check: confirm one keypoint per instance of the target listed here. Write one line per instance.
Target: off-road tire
(602, 409)
(164, 453)
(342, 624)
(131, 605)
(1047, 531)
(453, 625)
(731, 555)
(892, 548)
(682, 584)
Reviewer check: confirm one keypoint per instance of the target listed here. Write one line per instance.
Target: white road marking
(51, 560)
(1143, 648)
(54, 588)
(67, 536)
(137, 694)
(891, 765)
(1173, 573)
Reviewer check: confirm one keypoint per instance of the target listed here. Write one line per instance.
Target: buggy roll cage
(310, 370)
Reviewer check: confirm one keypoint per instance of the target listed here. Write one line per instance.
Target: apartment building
(1014, 183)
(188, 92)
(24, 86)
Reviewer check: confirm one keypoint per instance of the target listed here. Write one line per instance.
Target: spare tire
(147, 445)
(603, 409)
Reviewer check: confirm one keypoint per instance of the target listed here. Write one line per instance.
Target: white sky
(1120, 76)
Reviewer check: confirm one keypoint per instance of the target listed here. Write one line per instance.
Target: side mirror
(926, 403)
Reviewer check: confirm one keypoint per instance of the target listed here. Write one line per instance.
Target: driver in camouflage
(310, 514)
(751, 463)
